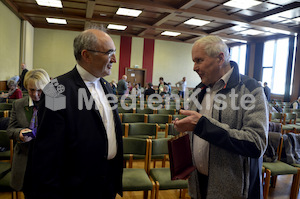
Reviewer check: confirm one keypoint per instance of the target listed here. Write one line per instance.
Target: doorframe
(136, 69)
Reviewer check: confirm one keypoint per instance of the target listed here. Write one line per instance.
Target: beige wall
(27, 44)
(53, 51)
(137, 48)
(10, 43)
(172, 61)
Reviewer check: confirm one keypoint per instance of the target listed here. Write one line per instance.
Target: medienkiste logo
(54, 99)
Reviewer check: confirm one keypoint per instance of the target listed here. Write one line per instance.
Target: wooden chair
(289, 120)
(133, 117)
(280, 168)
(141, 130)
(5, 165)
(276, 117)
(162, 176)
(137, 179)
(160, 119)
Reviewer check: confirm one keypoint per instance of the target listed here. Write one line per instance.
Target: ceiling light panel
(242, 4)
(128, 12)
(50, 3)
(251, 32)
(169, 33)
(55, 20)
(196, 22)
(116, 27)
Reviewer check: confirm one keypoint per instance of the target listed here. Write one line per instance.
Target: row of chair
(277, 167)
(289, 121)
(150, 178)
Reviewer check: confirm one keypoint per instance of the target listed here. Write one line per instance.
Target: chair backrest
(160, 150)
(159, 118)
(142, 129)
(123, 110)
(289, 118)
(136, 147)
(276, 117)
(5, 106)
(170, 130)
(133, 117)
(286, 110)
(166, 111)
(144, 111)
(178, 116)
(6, 144)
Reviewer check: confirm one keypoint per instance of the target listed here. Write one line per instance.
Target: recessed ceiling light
(103, 15)
(54, 20)
(196, 22)
(169, 33)
(242, 4)
(50, 3)
(128, 12)
(239, 40)
(273, 30)
(251, 32)
(297, 19)
(116, 27)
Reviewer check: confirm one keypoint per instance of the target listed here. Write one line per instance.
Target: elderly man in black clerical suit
(78, 152)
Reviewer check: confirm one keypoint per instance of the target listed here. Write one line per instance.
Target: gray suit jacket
(20, 118)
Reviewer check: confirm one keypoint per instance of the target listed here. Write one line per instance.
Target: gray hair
(213, 46)
(12, 82)
(86, 40)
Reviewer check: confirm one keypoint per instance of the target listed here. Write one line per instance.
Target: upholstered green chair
(162, 176)
(6, 147)
(5, 106)
(144, 110)
(166, 111)
(5, 163)
(280, 168)
(133, 117)
(142, 130)
(276, 117)
(125, 110)
(160, 119)
(170, 131)
(266, 177)
(137, 179)
(289, 121)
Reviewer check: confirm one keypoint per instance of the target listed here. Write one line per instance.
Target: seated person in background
(165, 92)
(114, 86)
(296, 104)
(149, 90)
(23, 119)
(136, 91)
(13, 93)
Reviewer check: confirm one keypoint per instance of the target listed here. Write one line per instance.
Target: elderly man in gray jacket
(227, 122)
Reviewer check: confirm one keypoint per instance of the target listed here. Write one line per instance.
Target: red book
(181, 163)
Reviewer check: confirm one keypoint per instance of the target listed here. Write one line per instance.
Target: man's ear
(221, 58)
(86, 56)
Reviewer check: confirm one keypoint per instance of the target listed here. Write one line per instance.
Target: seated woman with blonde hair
(22, 127)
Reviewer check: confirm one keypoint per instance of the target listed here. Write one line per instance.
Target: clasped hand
(188, 123)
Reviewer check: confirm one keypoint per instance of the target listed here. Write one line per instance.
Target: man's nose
(113, 58)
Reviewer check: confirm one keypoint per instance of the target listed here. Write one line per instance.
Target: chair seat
(135, 157)
(5, 155)
(136, 180)
(280, 168)
(296, 165)
(163, 176)
(5, 183)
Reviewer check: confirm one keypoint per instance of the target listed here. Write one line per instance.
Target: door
(136, 75)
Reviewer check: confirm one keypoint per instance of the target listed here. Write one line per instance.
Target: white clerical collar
(85, 75)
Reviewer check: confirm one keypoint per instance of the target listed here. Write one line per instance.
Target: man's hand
(188, 123)
(21, 134)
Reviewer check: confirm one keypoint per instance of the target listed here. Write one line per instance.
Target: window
(238, 54)
(275, 59)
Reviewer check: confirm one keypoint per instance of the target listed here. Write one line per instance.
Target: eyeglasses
(109, 53)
